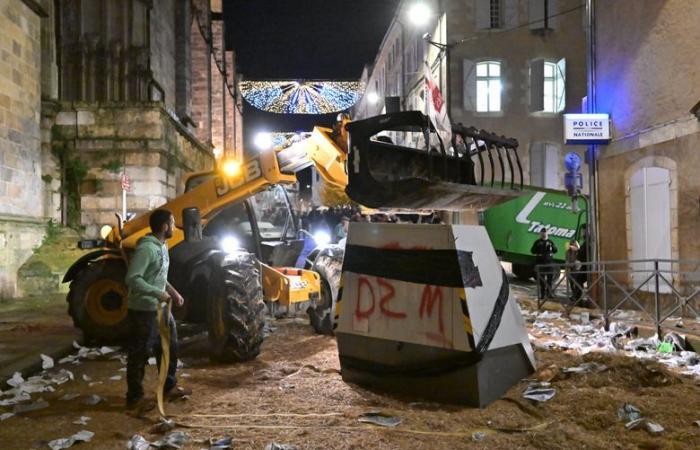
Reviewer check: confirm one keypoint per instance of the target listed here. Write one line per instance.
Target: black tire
(524, 272)
(321, 315)
(236, 311)
(97, 302)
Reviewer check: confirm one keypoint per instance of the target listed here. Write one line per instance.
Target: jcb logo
(249, 172)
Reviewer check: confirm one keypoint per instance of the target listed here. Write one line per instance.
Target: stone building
(512, 67)
(647, 80)
(96, 92)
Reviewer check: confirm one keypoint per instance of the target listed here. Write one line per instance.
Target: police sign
(586, 128)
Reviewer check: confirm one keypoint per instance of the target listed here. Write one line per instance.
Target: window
(489, 14)
(547, 86)
(541, 14)
(495, 14)
(488, 86)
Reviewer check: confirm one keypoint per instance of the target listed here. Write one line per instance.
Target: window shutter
(483, 14)
(552, 11)
(561, 85)
(537, 85)
(469, 84)
(551, 166)
(510, 19)
(535, 14)
(537, 164)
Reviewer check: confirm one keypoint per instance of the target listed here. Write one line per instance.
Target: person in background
(544, 251)
(341, 230)
(573, 266)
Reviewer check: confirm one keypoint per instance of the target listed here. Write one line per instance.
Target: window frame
(488, 78)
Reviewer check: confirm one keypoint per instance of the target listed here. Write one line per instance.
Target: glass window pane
(495, 69)
(482, 70)
(482, 96)
(548, 104)
(495, 95)
(548, 70)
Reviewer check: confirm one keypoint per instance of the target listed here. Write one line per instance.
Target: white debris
(18, 398)
(6, 416)
(549, 315)
(151, 361)
(16, 380)
(27, 407)
(107, 350)
(93, 400)
(174, 439)
(94, 383)
(69, 397)
(539, 391)
(116, 378)
(81, 436)
(63, 376)
(86, 378)
(46, 362)
(82, 421)
(138, 442)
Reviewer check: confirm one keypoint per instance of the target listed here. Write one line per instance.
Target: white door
(650, 202)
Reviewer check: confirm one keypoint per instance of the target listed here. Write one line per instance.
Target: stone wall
(19, 236)
(201, 78)
(144, 141)
(163, 49)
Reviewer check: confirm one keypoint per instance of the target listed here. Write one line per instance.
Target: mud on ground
(293, 393)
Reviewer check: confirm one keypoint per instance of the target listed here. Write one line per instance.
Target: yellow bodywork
(233, 183)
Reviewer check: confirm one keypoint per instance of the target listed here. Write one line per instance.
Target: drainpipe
(592, 149)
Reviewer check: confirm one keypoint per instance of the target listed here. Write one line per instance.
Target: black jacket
(544, 250)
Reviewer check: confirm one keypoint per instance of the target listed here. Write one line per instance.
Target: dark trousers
(576, 282)
(545, 281)
(144, 341)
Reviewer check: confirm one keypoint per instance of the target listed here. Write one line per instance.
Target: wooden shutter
(469, 85)
(537, 159)
(510, 14)
(561, 86)
(482, 14)
(537, 85)
(535, 14)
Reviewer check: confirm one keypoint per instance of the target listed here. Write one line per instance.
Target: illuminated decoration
(301, 97)
(284, 140)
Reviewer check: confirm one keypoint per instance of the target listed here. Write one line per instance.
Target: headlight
(230, 244)
(322, 238)
(231, 168)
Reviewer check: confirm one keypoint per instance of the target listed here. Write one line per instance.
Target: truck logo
(523, 217)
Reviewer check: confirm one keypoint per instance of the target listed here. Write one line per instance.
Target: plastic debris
(276, 446)
(94, 383)
(16, 380)
(63, 376)
(629, 412)
(116, 378)
(651, 427)
(18, 398)
(539, 391)
(82, 421)
(6, 416)
(379, 418)
(172, 440)
(27, 407)
(586, 368)
(163, 426)
(221, 444)
(86, 378)
(549, 315)
(81, 436)
(69, 397)
(46, 362)
(665, 347)
(138, 442)
(478, 436)
(93, 400)
(677, 341)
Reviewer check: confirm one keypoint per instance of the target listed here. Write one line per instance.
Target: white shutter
(551, 166)
(561, 85)
(469, 84)
(510, 14)
(537, 164)
(535, 14)
(482, 14)
(537, 85)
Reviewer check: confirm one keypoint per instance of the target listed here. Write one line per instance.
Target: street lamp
(419, 14)
(263, 140)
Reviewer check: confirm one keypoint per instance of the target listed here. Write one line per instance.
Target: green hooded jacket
(148, 273)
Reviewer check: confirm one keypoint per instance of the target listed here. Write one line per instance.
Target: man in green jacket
(147, 280)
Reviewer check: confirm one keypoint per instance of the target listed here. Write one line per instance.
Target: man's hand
(164, 296)
(179, 301)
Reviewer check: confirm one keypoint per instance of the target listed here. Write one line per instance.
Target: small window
(489, 14)
(547, 86)
(488, 86)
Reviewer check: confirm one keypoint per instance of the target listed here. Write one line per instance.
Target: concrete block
(66, 118)
(86, 118)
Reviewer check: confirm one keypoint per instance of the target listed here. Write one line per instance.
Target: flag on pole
(437, 108)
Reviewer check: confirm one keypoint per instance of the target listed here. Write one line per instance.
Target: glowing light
(372, 98)
(263, 140)
(230, 244)
(301, 97)
(105, 230)
(231, 168)
(419, 14)
(322, 238)
(218, 151)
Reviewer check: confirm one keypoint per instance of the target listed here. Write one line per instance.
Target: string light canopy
(301, 97)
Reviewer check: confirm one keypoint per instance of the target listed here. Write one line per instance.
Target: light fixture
(372, 98)
(230, 245)
(419, 14)
(263, 140)
(231, 167)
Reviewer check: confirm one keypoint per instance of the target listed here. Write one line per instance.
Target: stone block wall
(163, 49)
(201, 78)
(144, 141)
(19, 236)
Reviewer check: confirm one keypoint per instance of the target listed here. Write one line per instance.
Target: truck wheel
(97, 301)
(236, 311)
(523, 271)
(321, 314)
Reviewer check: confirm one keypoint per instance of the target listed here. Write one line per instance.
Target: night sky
(303, 39)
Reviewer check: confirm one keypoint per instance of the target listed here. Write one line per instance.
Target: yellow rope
(164, 326)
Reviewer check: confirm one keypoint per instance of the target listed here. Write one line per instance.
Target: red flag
(437, 108)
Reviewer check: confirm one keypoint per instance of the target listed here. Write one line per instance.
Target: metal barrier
(671, 286)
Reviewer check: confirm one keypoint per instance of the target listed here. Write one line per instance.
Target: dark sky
(303, 39)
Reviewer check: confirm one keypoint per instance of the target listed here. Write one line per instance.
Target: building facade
(101, 95)
(647, 81)
(512, 67)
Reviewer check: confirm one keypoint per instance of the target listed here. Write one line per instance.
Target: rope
(164, 326)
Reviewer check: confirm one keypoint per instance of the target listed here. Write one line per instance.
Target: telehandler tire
(97, 302)
(236, 311)
(321, 314)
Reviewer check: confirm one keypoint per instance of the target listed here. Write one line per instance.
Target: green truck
(513, 226)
